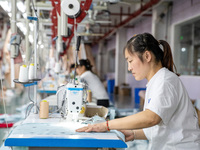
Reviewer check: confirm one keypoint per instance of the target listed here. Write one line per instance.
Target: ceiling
(102, 19)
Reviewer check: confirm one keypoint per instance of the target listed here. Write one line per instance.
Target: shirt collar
(155, 76)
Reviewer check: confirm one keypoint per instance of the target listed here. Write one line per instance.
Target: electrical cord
(29, 95)
(63, 102)
(34, 8)
(32, 103)
(29, 109)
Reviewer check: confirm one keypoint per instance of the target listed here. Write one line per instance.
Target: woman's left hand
(100, 127)
(129, 135)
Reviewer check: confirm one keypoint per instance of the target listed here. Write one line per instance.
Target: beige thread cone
(44, 109)
(89, 96)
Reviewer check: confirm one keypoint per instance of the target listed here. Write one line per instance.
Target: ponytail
(167, 60)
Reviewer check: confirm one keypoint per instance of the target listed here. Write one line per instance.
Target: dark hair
(86, 63)
(72, 66)
(146, 42)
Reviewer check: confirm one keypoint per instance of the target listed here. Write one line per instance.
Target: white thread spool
(23, 74)
(71, 7)
(31, 72)
(47, 66)
(57, 68)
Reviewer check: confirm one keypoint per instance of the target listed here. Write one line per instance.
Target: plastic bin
(110, 86)
(137, 97)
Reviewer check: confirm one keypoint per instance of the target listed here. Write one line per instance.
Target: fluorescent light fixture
(30, 37)
(22, 27)
(31, 26)
(6, 6)
(41, 46)
(24, 15)
(21, 7)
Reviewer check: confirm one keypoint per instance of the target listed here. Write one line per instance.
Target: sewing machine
(75, 101)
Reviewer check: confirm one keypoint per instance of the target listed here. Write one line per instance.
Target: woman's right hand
(129, 135)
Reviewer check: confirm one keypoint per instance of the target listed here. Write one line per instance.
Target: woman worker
(168, 120)
(94, 84)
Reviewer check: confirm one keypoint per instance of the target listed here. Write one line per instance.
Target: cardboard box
(92, 110)
(125, 91)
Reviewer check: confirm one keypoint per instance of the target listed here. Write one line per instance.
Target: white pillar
(59, 40)
(120, 66)
(13, 30)
(28, 50)
(35, 35)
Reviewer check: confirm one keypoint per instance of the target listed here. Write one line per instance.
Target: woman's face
(80, 70)
(138, 68)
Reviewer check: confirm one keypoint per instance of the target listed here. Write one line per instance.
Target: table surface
(56, 132)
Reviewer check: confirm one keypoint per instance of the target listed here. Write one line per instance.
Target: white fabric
(95, 85)
(167, 97)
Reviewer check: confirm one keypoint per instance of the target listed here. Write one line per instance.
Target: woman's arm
(131, 135)
(139, 135)
(140, 120)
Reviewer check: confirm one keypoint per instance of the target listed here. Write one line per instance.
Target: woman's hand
(100, 127)
(129, 135)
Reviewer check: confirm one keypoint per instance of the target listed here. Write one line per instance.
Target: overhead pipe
(132, 16)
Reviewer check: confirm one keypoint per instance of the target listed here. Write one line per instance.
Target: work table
(58, 133)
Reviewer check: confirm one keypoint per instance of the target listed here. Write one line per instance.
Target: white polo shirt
(95, 85)
(167, 97)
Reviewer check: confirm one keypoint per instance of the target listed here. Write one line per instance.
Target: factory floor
(13, 103)
(123, 105)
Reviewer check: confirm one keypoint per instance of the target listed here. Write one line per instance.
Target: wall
(184, 9)
(140, 27)
(111, 43)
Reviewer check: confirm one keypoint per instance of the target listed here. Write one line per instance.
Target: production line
(99, 75)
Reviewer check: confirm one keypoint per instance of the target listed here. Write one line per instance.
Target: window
(187, 48)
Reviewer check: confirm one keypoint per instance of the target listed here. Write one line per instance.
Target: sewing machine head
(75, 100)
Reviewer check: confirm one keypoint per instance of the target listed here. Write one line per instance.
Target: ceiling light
(183, 49)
